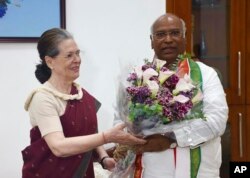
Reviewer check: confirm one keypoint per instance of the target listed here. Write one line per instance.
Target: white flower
(187, 78)
(147, 74)
(159, 64)
(184, 84)
(138, 70)
(153, 87)
(164, 75)
(181, 98)
(197, 98)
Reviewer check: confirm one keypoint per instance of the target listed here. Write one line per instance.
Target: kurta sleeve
(197, 131)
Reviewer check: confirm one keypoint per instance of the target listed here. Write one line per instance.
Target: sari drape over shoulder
(79, 119)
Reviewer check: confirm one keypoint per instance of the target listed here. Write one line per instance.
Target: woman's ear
(49, 62)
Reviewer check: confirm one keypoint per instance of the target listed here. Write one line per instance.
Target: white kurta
(192, 133)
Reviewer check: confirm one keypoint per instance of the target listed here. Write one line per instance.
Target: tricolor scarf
(185, 66)
(190, 67)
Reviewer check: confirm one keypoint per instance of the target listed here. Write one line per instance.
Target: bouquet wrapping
(156, 99)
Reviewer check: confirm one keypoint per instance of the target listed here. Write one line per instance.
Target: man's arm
(197, 131)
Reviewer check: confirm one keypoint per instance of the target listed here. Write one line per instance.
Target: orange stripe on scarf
(183, 68)
(138, 166)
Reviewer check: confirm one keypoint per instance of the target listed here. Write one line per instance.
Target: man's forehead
(168, 22)
(169, 19)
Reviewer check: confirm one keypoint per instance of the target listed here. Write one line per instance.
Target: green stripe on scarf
(195, 154)
(195, 72)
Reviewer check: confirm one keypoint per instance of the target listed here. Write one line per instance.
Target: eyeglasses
(71, 55)
(163, 34)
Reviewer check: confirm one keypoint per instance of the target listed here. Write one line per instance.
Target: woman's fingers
(118, 135)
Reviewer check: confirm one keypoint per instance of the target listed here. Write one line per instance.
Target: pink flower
(153, 87)
(180, 98)
(148, 73)
(184, 84)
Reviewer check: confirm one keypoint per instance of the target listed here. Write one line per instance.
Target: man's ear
(151, 38)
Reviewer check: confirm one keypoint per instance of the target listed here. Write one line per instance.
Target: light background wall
(108, 32)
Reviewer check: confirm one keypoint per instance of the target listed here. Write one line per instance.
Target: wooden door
(238, 122)
(247, 78)
(222, 22)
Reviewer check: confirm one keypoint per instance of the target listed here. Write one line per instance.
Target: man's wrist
(102, 161)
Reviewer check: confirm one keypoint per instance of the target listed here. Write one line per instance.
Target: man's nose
(168, 38)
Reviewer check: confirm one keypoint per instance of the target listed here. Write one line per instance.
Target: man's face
(167, 38)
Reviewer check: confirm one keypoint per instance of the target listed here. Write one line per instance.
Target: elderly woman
(63, 116)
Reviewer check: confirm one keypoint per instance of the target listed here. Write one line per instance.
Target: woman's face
(66, 65)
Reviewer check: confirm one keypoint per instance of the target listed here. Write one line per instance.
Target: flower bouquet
(157, 98)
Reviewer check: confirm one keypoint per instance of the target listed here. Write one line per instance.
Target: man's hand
(155, 143)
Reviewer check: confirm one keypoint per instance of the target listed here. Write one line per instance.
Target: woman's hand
(118, 135)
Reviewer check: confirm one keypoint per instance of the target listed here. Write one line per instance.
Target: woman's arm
(62, 146)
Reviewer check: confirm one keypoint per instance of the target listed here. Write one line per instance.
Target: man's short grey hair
(184, 29)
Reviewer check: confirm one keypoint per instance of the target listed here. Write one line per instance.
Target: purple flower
(147, 66)
(132, 77)
(164, 96)
(181, 109)
(139, 94)
(188, 94)
(171, 82)
(168, 113)
(163, 69)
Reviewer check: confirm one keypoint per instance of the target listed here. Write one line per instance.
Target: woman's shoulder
(38, 94)
(47, 92)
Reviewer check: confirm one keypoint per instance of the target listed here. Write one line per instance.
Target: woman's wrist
(104, 138)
